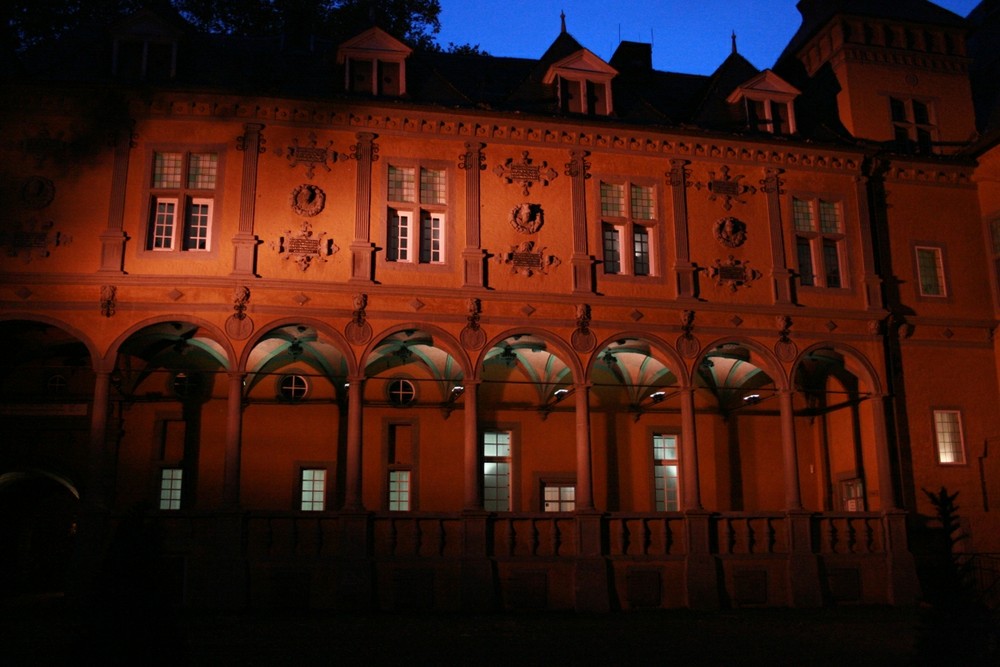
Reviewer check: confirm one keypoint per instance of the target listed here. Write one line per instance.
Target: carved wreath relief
(526, 218)
(730, 232)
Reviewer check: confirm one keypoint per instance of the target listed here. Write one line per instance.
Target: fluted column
(362, 248)
(352, 483)
(472, 162)
(684, 270)
(690, 482)
(583, 264)
(793, 495)
(245, 243)
(781, 276)
(113, 237)
(234, 437)
(473, 489)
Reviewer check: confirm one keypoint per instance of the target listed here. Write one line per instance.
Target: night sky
(689, 37)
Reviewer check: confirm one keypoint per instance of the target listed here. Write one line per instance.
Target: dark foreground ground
(42, 631)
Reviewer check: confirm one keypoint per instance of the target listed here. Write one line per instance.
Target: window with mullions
(819, 239)
(399, 490)
(293, 387)
(558, 498)
(182, 201)
(312, 489)
(628, 212)
(496, 471)
(912, 124)
(665, 473)
(171, 488)
(930, 271)
(417, 198)
(948, 436)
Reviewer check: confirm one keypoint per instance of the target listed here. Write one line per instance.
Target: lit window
(625, 228)
(313, 490)
(496, 471)
(665, 477)
(930, 271)
(912, 124)
(171, 483)
(399, 490)
(819, 240)
(401, 392)
(416, 217)
(182, 200)
(948, 435)
(559, 497)
(293, 387)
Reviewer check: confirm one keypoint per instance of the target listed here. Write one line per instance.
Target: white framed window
(496, 471)
(182, 201)
(930, 271)
(171, 488)
(418, 199)
(399, 490)
(584, 96)
(948, 437)
(819, 242)
(913, 124)
(628, 217)
(312, 489)
(666, 479)
(558, 497)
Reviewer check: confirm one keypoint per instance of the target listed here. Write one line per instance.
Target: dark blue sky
(690, 37)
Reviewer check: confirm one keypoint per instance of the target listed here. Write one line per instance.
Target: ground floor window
(171, 488)
(399, 490)
(313, 490)
(665, 472)
(496, 471)
(558, 497)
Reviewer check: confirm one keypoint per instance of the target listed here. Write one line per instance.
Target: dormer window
(374, 64)
(769, 103)
(145, 48)
(583, 84)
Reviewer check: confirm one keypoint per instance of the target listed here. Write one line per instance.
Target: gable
(373, 43)
(581, 64)
(767, 85)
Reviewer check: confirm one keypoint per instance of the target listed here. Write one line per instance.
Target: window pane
(829, 217)
(666, 488)
(163, 224)
(399, 236)
(802, 215)
(171, 482)
(948, 433)
(640, 243)
(199, 218)
(431, 237)
(313, 483)
(167, 170)
(803, 249)
(665, 447)
(613, 199)
(401, 183)
(831, 262)
(930, 271)
(642, 202)
(202, 170)
(612, 250)
(898, 109)
(432, 186)
(399, 490)
(921, 114)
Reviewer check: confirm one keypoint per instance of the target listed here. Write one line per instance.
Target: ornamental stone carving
(525, 260)
(525, 172)
(730, 232)
(304, 246)
(308, 200)
(526, 218)
(733, 273)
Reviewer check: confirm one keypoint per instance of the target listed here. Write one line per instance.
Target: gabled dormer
(145, 46)
(583, 83)
(374, 63)
(768, 103)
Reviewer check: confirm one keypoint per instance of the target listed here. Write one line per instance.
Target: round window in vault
(293, 387)
(401, 392)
